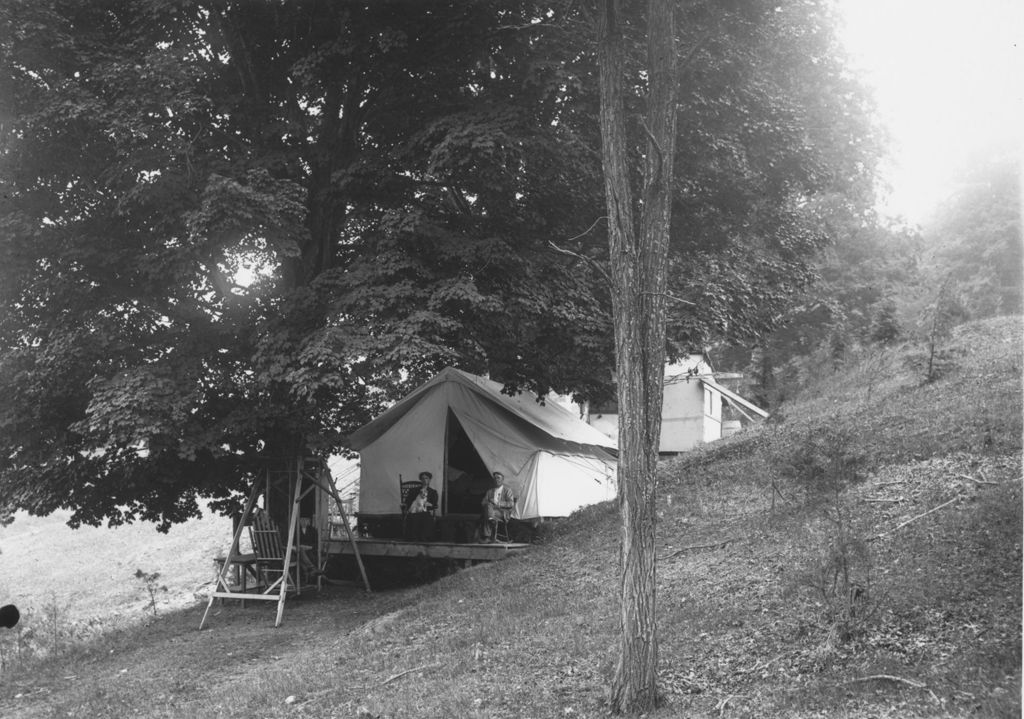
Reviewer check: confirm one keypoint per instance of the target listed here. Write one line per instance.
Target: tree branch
(527, 26)
(667, 296)
(586, 231)
(654, 141)
(684, 62)
(596, 265)
(459, 199)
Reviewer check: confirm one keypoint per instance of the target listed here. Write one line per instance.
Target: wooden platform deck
(432, 550)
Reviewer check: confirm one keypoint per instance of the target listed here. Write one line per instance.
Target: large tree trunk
(639, 267)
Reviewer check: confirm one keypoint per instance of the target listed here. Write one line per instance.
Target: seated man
(498, 504)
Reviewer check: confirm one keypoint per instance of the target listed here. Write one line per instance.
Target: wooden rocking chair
(405, 489)
(270, 552)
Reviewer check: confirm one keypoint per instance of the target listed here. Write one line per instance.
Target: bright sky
(948, 83)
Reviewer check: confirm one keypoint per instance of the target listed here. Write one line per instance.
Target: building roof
(733, 397)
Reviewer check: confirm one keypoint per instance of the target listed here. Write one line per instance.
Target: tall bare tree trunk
(639, 256)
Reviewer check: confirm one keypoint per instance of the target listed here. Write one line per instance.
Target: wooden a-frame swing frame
(278, 590)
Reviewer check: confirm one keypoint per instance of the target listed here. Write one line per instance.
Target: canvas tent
(461, 428)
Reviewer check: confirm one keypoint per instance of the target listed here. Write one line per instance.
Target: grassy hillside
(896, 595)
(88, 574)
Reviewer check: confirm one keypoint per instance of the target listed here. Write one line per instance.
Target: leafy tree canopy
(234, 231)
(975, 240)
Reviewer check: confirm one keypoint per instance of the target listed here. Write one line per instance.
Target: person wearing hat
(9, 616)
(422, 502)
(498, 505)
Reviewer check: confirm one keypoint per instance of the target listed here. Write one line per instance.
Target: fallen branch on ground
(885, 501)
(889, 677)
(976, 481)
(713, 545)
(759, 666)
(408, 671)
(914, 519)
(722, 704)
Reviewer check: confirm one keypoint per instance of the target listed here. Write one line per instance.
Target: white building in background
(697, 408)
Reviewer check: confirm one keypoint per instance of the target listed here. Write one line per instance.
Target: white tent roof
(551, 418)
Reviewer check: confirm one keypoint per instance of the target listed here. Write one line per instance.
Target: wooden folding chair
(501, 532)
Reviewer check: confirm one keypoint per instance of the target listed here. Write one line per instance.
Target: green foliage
(766, 105)
(885, 326)
(976, 240)
(856, 299)
(392, 176)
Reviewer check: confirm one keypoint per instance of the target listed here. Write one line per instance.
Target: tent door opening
(466, 477)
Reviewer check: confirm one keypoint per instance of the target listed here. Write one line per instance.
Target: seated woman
(419, 517)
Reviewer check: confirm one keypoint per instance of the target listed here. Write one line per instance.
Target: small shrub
(822, 465)
(18, 645)
(939, 319)
(149, 580)
(43, 632)
(56, 626)
(840, 577)
(885, 327)
(932, 363)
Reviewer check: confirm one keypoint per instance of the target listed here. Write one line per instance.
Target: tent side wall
(567, 482)
(414, 444)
